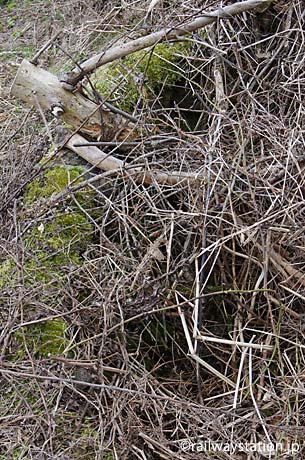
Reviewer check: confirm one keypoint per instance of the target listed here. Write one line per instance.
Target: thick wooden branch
(40, 88)
(169, 33)
(106, 162)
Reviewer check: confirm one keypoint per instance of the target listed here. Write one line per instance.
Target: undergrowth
(139, 320)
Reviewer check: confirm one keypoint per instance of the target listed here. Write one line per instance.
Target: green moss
(55, 180)
(43, 339)
(57, 242)
(160, 67)
(7, 272)
(88, 440)
(51, 246)
(64, 235)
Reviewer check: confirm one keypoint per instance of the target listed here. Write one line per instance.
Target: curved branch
(106, 162)
(169, 33)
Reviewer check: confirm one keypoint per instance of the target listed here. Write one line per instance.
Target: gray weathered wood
(40, 88)
(106, 162)
(37, 87)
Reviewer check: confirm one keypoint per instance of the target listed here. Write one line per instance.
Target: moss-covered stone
(157, 68)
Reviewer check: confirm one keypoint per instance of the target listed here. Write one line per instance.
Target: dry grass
(168, 266)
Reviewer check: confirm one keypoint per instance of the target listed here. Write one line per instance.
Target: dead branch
(40, 88)
(106, 162)
(169, 33)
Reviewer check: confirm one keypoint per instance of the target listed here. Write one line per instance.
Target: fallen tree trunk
(40, 88)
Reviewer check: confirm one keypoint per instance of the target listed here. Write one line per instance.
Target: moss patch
(58, 241)
(57, 244)
(55, 180)
(157, 68)
(52, 246)
(43, 339)
(7, 272)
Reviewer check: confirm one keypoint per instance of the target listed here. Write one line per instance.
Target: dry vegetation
(158, 268)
